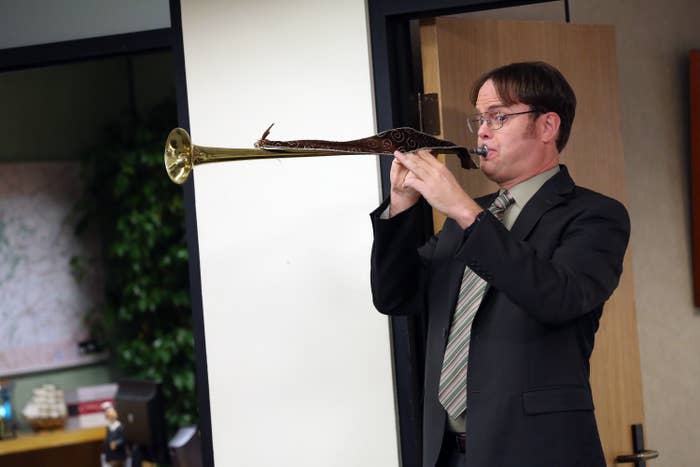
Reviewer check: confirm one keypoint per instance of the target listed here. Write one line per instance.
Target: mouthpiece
(480, 151)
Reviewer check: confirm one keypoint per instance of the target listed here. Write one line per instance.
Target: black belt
(459, 440)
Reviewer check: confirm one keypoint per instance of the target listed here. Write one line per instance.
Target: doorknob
(640, 455)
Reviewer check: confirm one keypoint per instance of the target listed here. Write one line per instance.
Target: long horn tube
(181, 155)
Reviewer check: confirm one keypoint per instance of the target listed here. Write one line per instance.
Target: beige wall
(653, 41)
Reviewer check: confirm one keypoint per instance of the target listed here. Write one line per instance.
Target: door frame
(192, 240)
(397, 78)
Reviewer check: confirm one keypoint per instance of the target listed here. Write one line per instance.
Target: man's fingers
(414, 183)
(402, 184)
(414, 163)
(435, 167)
(428, 158)
(422, 155)
(397, 162)
(400, 158)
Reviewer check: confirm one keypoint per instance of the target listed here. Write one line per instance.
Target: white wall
(32, 22)
(298, 359)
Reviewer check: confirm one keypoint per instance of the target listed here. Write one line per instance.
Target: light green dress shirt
(521, 193)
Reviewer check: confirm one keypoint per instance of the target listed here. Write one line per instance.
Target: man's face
(513, 154)
(111, 414)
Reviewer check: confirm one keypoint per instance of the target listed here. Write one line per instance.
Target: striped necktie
(453, 378)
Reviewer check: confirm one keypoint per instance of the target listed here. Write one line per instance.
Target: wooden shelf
(50, 439)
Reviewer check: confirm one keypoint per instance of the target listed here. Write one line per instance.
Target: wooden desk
(78, 448)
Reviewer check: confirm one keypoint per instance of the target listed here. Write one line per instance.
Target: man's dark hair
(537, 84)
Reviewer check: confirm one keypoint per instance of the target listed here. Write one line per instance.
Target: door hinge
(429, 113)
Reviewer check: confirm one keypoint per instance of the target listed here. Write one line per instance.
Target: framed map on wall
(42, 306)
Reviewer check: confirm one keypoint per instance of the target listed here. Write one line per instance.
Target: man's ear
(549, 127)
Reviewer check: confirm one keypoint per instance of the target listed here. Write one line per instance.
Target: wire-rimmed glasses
(493, 120)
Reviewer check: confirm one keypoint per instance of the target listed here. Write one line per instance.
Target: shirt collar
(523, 191)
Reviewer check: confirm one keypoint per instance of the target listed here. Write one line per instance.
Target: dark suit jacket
(118, 454)
(529, 400)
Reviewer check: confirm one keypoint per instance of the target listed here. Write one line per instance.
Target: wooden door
(455, 52)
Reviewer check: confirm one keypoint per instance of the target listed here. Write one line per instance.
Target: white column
(298, 358)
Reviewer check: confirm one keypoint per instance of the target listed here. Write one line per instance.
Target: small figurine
(46, 410)
(114, 447)
(8, 425)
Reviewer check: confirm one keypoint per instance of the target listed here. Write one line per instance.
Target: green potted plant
(145, 320)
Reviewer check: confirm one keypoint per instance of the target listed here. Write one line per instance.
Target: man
(114, 447)
(513, 285)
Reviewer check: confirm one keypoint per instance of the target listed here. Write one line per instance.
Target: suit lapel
(554, 192)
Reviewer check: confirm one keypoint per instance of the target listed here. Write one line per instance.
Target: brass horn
(181, 155)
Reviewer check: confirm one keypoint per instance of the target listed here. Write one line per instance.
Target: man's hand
(402, 196)
(424, 174)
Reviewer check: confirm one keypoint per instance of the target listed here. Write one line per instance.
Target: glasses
(493, 120)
